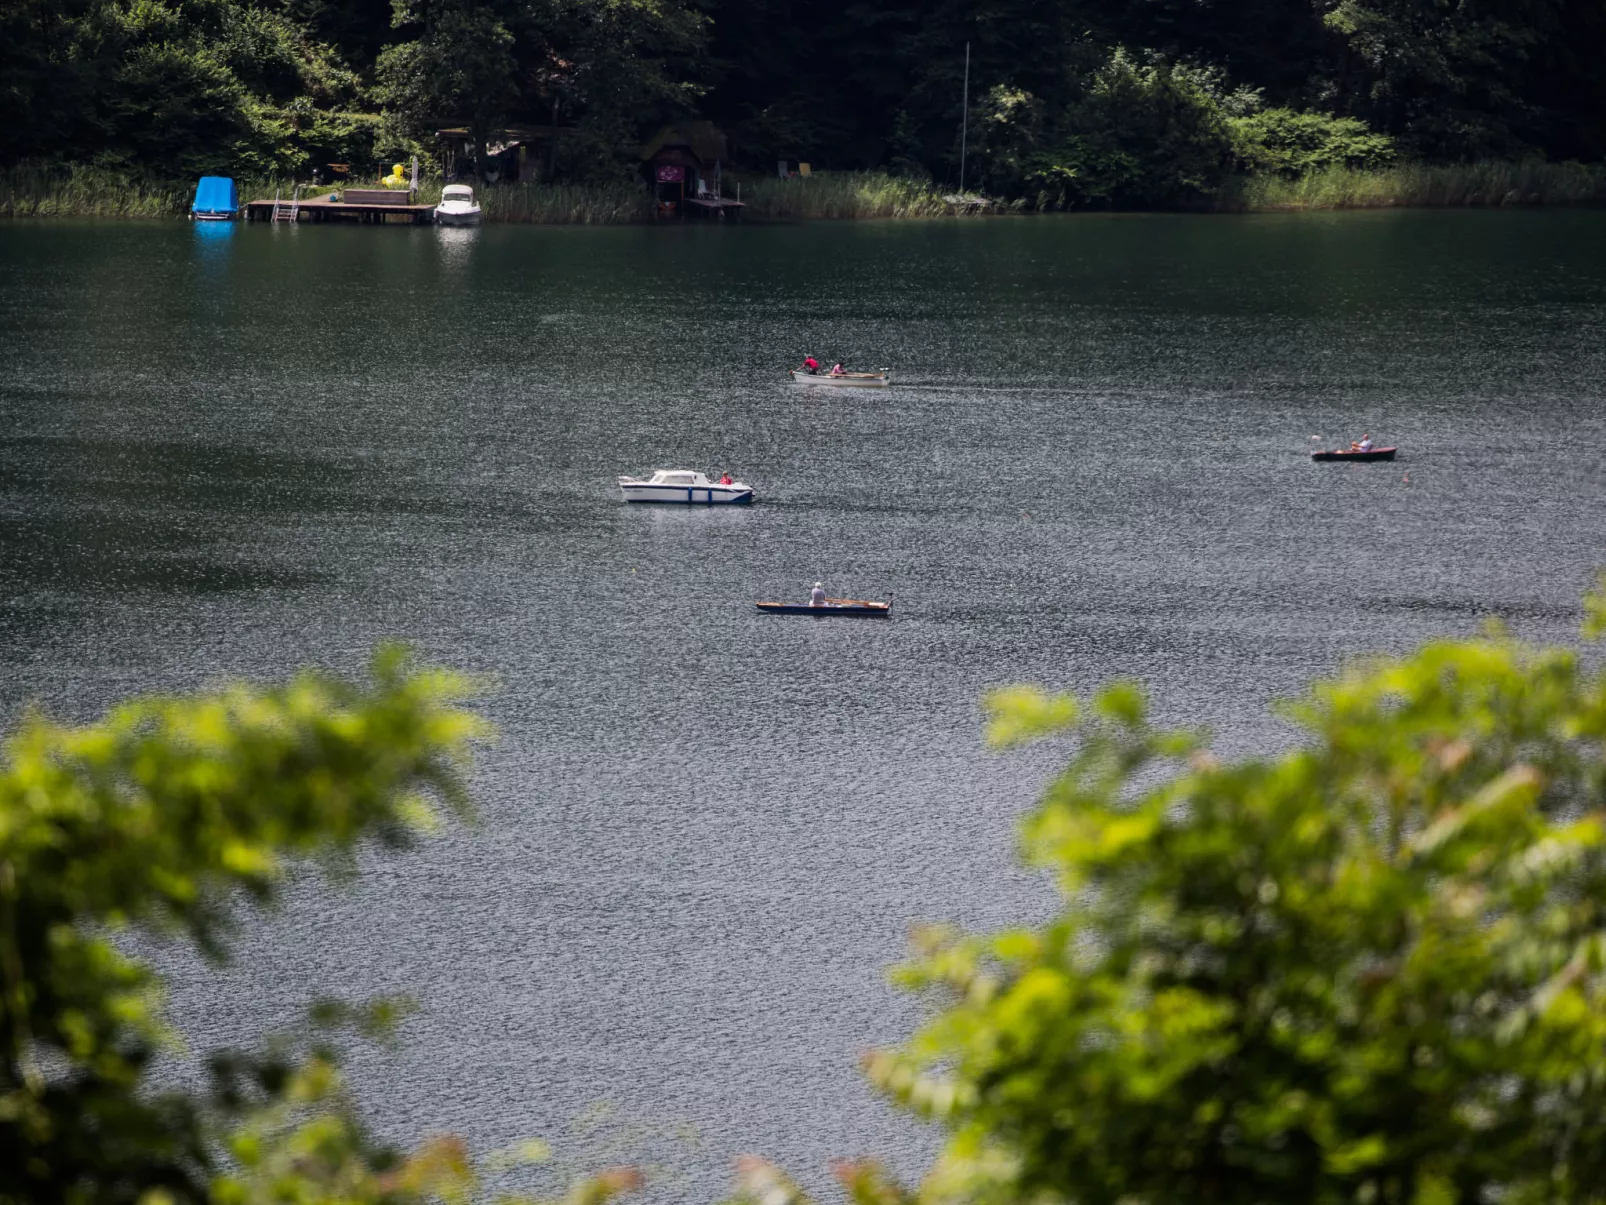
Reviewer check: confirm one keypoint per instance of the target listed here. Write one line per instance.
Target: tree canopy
(281, 86)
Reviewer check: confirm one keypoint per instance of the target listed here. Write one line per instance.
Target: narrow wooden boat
(1345, 454)
(862, 380)
(831, 606)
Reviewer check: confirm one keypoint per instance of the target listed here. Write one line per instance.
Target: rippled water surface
(704, 832)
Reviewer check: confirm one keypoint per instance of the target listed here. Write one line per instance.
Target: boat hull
(840, 607)
(868, 380)
(450, 218)
(687, 495)
(1374, 454)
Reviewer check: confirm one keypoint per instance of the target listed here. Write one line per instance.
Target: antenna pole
(964, 121)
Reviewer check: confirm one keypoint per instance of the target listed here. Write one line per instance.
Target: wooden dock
(714, 207)
(322, 209)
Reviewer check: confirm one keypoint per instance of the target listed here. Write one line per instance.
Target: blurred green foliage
(1372, 969)
(164, 818)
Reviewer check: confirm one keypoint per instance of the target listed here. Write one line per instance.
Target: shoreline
(96, 193)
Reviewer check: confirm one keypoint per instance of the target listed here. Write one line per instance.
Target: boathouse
(684, 166)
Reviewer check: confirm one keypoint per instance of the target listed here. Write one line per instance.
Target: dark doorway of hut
(684, 166)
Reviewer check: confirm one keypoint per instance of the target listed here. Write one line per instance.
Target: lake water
(704, 832)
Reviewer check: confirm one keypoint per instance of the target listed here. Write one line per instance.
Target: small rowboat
(1345, 454)
(863, 380)
(831, 606)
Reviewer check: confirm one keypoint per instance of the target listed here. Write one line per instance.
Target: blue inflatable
(216, 200)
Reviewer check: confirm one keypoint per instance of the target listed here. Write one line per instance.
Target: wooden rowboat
(863, 380)
(831, 606)
(1374, 454)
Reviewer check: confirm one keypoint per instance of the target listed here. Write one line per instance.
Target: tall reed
(38, 191)
(35, 190)
(843, 195)
(566, 204)
(1532, 182)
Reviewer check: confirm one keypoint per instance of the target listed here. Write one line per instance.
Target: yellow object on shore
(396, 179)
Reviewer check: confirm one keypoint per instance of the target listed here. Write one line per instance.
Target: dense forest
(1125, 102)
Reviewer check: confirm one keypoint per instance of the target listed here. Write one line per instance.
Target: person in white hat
(817, 595)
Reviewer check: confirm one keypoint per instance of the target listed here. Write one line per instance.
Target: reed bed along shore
(28, 191)
(843, 195)
(88, 192)
(566, 204)
(1490, 183)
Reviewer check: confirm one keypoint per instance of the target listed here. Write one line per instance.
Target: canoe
(1374, 454)
(861, 380)
(831, 606)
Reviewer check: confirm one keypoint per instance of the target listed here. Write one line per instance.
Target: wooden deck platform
(715, 207)
(322, 209)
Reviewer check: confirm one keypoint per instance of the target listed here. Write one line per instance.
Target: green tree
(1141, 135)
(460, 69)
(617, 68)
(164, 817)
(1448, 79)
(1372, 969)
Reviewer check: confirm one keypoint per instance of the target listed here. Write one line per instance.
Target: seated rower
(817, 595)
(837, 370)
(1365, 445)
(725, 479)
(811, 365)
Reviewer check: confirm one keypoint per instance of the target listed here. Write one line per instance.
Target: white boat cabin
(684, 485)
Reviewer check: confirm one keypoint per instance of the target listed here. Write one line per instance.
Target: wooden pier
(368, 205)
(714, 207)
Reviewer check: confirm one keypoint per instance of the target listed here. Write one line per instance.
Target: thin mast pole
(964, 121)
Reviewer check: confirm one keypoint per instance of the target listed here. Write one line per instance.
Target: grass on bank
(28, 191)
(1489, 183)
(843, 195)
(33, 191)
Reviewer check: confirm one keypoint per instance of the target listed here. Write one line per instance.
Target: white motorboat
(879, 379)
(457, 207)
(684, 486)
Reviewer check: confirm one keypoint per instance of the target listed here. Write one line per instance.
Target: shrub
(1152, 136)
(1294, 144)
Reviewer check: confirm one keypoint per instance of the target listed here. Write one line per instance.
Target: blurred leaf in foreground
(162, 817)
(1372, 969)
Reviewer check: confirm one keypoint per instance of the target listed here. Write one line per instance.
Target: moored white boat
(879, 379)
(684, 486)
(457, 207)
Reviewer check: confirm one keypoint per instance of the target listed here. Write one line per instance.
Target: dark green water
(232, 451)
